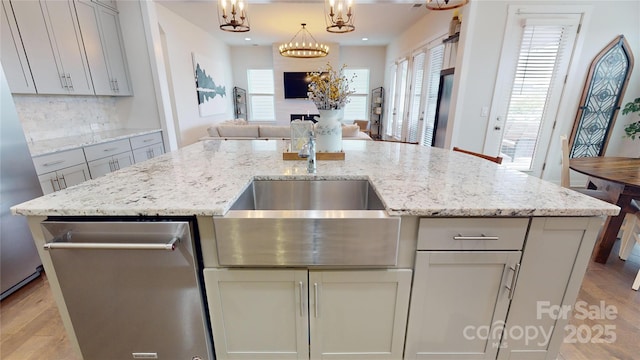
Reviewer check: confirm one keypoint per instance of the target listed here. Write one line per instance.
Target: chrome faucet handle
(304, 151)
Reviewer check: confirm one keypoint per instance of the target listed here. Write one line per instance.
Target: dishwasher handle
(170, 246)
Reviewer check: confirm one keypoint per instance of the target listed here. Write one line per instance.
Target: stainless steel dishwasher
(131, 288)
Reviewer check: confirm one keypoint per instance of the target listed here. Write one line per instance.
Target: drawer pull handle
(110, 149)
(147, 140)
(53, 163)
(301, 287)
(481, 237)
(514, 280)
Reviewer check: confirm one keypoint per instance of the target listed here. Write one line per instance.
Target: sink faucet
(308, 151)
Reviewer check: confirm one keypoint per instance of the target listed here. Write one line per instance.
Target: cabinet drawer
(472, 234)
(100, 151)
(52, 162)
(145, 140)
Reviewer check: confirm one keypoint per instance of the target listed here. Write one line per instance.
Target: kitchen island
(516, 230)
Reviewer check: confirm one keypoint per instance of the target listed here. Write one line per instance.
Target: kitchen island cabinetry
(465, 273)
(53, 44)
(554, 261)
(279, 314)
(465, 225)
(100, 25)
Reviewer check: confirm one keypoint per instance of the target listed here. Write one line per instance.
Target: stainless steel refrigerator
(19, 260)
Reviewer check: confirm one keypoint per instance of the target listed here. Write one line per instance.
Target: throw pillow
(350, 130)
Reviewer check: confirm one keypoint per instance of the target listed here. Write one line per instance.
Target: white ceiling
(277, 21)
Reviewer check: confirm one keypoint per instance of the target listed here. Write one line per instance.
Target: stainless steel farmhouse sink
(307, 223)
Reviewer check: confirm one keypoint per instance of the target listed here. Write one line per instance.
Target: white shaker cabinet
(455, 296)
(147, 146)
(103, 43)
(53, 44)
(258, 314)
(279, 314)
(14, 60)
(466, 272)
(555, 259)
(109, 164)
(358, 314)
(63, 178)
(108, 157)
(60, 170)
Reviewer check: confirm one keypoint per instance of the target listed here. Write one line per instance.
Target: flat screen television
(295, 85)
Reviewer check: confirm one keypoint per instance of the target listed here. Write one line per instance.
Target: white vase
(328, 130)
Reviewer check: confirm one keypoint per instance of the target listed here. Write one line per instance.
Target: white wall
(140, 110)
(267, 57)
(182, 38)
(479, 69)
(430, 28)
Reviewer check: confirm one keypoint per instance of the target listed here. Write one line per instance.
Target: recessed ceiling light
(365, 39)
(248, 38)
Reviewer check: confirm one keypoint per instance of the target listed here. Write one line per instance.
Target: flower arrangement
(329, 88)
(633, 129)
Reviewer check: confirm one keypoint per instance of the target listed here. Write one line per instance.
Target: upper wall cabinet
(63, 47)
(102, 40)
(14, 60)
(52, 42)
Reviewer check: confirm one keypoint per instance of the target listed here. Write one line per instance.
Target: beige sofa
(240, 130)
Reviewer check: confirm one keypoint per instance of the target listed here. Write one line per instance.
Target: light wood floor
(31, 329)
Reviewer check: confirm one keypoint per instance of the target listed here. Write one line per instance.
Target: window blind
(416, 95)
(541, 49)
(261, 94)
(356, 109)
(436, 59)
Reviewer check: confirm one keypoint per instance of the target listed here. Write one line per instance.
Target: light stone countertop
(43, 147)
(205, 178)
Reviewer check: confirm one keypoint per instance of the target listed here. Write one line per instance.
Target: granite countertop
(43, 147)
(206, 177)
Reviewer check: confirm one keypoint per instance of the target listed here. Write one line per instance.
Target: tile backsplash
(50, 117)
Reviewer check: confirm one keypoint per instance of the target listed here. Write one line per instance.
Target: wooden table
(620, 178)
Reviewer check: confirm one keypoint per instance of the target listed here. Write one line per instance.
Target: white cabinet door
(66, 37)
(258, 314)
(102, 37)
(109, 164)
(457, 299)
(14, 60)
(358, 314)
(113, 47)
(53, 46)
(101, 167)
(74, 175)
(148, 152)
(63, 178)
(49, 183)
(33, 30)
(123, 160)
(554, 262)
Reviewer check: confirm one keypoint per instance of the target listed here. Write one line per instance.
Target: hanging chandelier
(340, 17)
(445, 4)
(233, 16)
(303, 45)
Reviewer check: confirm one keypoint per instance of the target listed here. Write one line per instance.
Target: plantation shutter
(356, 109)
(261, 94)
